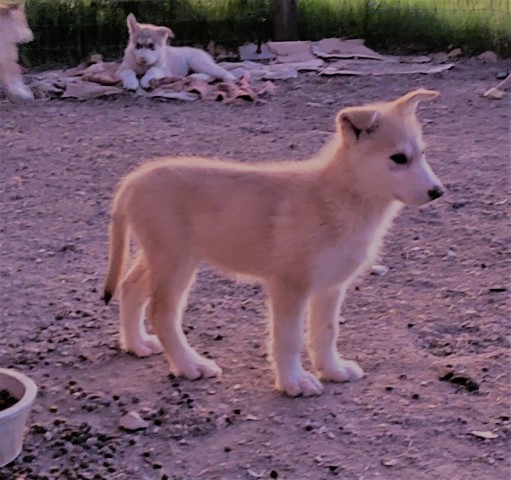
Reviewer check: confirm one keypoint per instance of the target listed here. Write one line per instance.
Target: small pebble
(132, 421)
(380, 270)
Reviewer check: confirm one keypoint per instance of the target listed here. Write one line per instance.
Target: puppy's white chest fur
(346, 258)
(336, 264)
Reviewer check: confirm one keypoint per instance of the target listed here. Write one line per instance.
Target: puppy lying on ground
(148, 57)
(303, 229)
(13, 30)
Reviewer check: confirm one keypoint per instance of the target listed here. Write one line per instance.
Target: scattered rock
(494, 94)
(254, 474)
(132, 421)
(380, 270)
(488, 57)
(485, 435)
(455, 53)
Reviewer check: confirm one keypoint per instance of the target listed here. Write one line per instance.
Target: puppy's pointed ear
(8, 8)
(408, 103)
(353, 122)
(132, 23)
(165, 33)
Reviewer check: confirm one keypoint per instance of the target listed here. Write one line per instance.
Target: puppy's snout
(435, 192)
(27, 36)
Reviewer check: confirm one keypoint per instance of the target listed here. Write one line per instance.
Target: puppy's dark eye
(399, 158)
(150, 46)
(138, 46)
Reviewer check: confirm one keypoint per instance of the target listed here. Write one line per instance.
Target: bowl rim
(28, 396)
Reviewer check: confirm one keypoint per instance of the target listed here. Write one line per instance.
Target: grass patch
(66, 31)
(474, 25)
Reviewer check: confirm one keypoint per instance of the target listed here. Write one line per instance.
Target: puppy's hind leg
(323, 332)
(203, 63)
(169, 293)
(287, 309)
(134, 295)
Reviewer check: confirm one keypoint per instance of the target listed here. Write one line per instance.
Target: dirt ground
(440, 312)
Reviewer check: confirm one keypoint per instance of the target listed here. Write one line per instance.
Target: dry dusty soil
(432, 333)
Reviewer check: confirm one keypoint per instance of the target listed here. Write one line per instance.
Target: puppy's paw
(341, 371)
(20, 92)
(130, 83)
(145, 82)
(300, 383)
(229, 77)
(144, 347)
(198, 367)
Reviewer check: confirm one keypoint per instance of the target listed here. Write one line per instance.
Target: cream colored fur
(303, 229)
(13, 31)
(147, 57)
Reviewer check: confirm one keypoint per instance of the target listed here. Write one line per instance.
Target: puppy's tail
(117, 252)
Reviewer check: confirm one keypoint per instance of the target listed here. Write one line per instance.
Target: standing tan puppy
(303, 229)
(14, 29)
(148, 57)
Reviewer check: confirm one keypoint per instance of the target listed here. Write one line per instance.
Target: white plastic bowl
(13, 419)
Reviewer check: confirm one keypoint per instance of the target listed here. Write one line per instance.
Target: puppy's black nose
(435, 193)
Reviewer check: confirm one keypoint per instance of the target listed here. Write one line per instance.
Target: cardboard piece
(81, 90)
(349, 67)
(337, 48)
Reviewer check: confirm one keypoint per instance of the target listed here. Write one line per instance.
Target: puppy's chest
(338, 262)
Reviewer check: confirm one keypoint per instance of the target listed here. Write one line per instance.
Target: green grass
(474, 25)
(66, 31)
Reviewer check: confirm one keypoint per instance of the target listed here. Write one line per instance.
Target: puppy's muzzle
(435, 192)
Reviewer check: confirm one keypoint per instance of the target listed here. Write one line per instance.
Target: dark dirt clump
(6, 400)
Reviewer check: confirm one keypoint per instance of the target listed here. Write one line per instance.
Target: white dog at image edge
(148, 57)
(305, 230)
(14, 30)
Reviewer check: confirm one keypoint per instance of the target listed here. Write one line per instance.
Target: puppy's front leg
(13, 82)
(129, 79)
(152, 73)
(287, 309)
(19, 91)
(323, 332)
